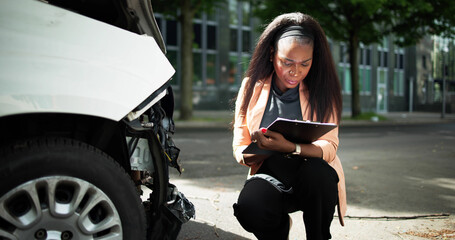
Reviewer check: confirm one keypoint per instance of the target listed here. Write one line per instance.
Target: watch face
(297, 149)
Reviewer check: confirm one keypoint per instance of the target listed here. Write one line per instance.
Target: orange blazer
(244, 128)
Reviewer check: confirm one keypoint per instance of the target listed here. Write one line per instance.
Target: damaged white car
(86, 123)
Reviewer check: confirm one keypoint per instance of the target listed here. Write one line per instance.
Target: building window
(171, 33)
(197, 30)
(240, 39)
(385, 56)
(398, 74)
(211, 69)
(382, 58)
(344, 70)
(383, 50)
(365, 79)
(344, 74)
(398, 83)
(368, 57)
(246, 41)
(347, 79)
(382, 76)
(211, 37)
(365, 70)
(401, 66)
(233, 65)
(197, 68)
(233, 40)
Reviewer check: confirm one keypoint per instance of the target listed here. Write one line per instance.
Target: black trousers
(263, 210)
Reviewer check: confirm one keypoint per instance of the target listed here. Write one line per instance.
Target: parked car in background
(86, 123)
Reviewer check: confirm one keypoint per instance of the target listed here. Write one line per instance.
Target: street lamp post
(444, 50)
(411, 94)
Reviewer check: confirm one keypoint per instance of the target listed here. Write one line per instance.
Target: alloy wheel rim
(58, 207)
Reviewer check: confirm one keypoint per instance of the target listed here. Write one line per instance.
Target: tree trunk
(186, 86)
(355, 87)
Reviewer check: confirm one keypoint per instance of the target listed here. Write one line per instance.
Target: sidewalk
(222, 119)
(214, 218)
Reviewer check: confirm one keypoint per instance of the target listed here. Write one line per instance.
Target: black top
(285, 105)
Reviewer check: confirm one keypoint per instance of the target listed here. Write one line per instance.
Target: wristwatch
(298, 150)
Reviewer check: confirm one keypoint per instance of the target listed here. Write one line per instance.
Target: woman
(291, 75)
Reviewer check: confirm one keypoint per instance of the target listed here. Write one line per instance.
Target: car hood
(54, 60)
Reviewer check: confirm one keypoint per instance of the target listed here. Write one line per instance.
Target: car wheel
(58, 188)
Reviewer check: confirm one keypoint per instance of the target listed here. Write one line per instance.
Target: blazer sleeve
(329, 143)
(241, 133)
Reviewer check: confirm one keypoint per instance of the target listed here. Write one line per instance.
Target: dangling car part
(86, 123)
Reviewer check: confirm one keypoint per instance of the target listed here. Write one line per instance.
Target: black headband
(293, 31)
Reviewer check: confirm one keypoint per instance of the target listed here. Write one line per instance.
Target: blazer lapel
(303, 95)
(261, 96)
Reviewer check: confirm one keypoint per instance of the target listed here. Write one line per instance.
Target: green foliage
(416, 18)
(340, 19)
(370, 20)
(170, 8)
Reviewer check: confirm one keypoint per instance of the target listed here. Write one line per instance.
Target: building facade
(391, 78)
(223, 42)
(443, 76)
(381, 76)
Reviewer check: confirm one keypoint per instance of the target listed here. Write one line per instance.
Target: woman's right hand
(251, 159)
(273, 141)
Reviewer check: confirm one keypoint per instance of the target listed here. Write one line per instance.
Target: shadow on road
(202, 231)
(400, 169)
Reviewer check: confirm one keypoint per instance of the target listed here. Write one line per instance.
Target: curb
(346, 123)
(224, 119)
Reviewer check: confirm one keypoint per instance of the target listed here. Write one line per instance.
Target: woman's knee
(317, 181)
(259, 207)
(318, 171)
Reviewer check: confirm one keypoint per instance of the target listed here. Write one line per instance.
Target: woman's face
(292, 61)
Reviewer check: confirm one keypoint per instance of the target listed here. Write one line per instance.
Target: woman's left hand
(271, 140)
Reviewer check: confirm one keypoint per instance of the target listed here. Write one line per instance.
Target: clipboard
(297, 131)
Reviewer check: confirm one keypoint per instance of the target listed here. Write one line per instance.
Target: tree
(184, 12)
(368, 21)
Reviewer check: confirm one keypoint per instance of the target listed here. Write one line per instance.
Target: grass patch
(366, 116)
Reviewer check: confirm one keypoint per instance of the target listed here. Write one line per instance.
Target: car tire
(57, 186)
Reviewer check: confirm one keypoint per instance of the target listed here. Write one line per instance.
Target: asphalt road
(394, 170)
